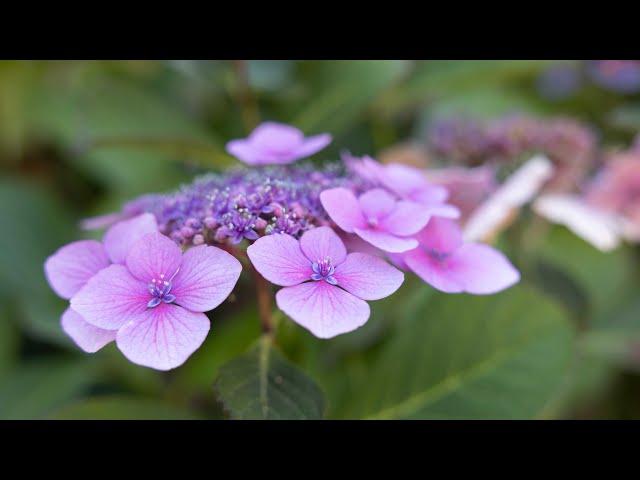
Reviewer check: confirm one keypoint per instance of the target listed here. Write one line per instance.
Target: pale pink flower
(155, 301)
(276, 143)
(448, 264)
(468, 187)
(71, 267)
(377, 217)
(325, 288)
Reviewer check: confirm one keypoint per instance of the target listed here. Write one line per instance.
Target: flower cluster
(615, 189)
(245, 203)
(618, 75)
(570, 145)
(320, 233)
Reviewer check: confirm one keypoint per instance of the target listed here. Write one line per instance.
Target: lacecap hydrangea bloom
(134, 288)
(323, 233)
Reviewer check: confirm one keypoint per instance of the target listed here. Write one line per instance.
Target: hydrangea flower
(376, 217)
(276, 143)
(245, 203)
(468, 187)
(570, 145)
(407, 182)
(155, 301)
(448, 264)
(618, 75)
(71, 267)
(325, 288)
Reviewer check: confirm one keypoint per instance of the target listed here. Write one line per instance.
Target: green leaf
(36, 225)
(608, 278)
(230, 337)
(625, 117)
(9, 341)
(346, 90)
(119, 407)
(436, 78)
(36, 389)
(262, 384)
(461, 356)
(124, 133)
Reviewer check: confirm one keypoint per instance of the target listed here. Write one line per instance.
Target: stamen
(160, 291)
(324, 270)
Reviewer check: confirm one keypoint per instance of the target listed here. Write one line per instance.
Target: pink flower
(71, 267)
(406, 182)
(448, 264)
(325, 289)
(376, 217)
(276, 143)
(616, 190)
(155, 301)
(468, 187)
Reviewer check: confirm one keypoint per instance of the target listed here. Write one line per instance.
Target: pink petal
(69, 269)
(443, 210)
(100, 221)
(403, 179)
(441, 235)
(407, 218)
(397, 259)
(206, 277)
(86, 336)
(343, 208)
(312, 145)
(154, 256)
(368, 277)
(376, 203)
(366, 167)
(386, 241)
(120, 238)
(111, 298)
(163, 337)
(435, 273)
(322, 242)
(482, 270)
(279, 259)
(276, 137)
(243, 150)
(355, 244)
(430, 195)
(323, 309)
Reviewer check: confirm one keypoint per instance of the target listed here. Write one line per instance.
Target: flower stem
(246, 99)
(265, 302)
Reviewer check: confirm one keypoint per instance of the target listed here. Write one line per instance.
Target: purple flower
(376, 217)
(448, 264)
(276, 143)
(325, 289)
(468, 187)
(559, 82)
(406, 182)
(73, 265)
(618, 75)
(155, 301)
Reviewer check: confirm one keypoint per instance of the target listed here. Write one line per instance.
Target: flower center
(160, 290)
(324, 270)
(436, 255)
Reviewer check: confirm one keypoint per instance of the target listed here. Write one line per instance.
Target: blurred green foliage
(80, 138)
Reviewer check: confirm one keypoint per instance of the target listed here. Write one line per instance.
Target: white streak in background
(515, 192)
(600, 229)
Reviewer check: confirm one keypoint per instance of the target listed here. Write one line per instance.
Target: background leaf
(122, 408)
(468, 357)
(31, 391)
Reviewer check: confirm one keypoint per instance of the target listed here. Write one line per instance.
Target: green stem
(245, 97)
